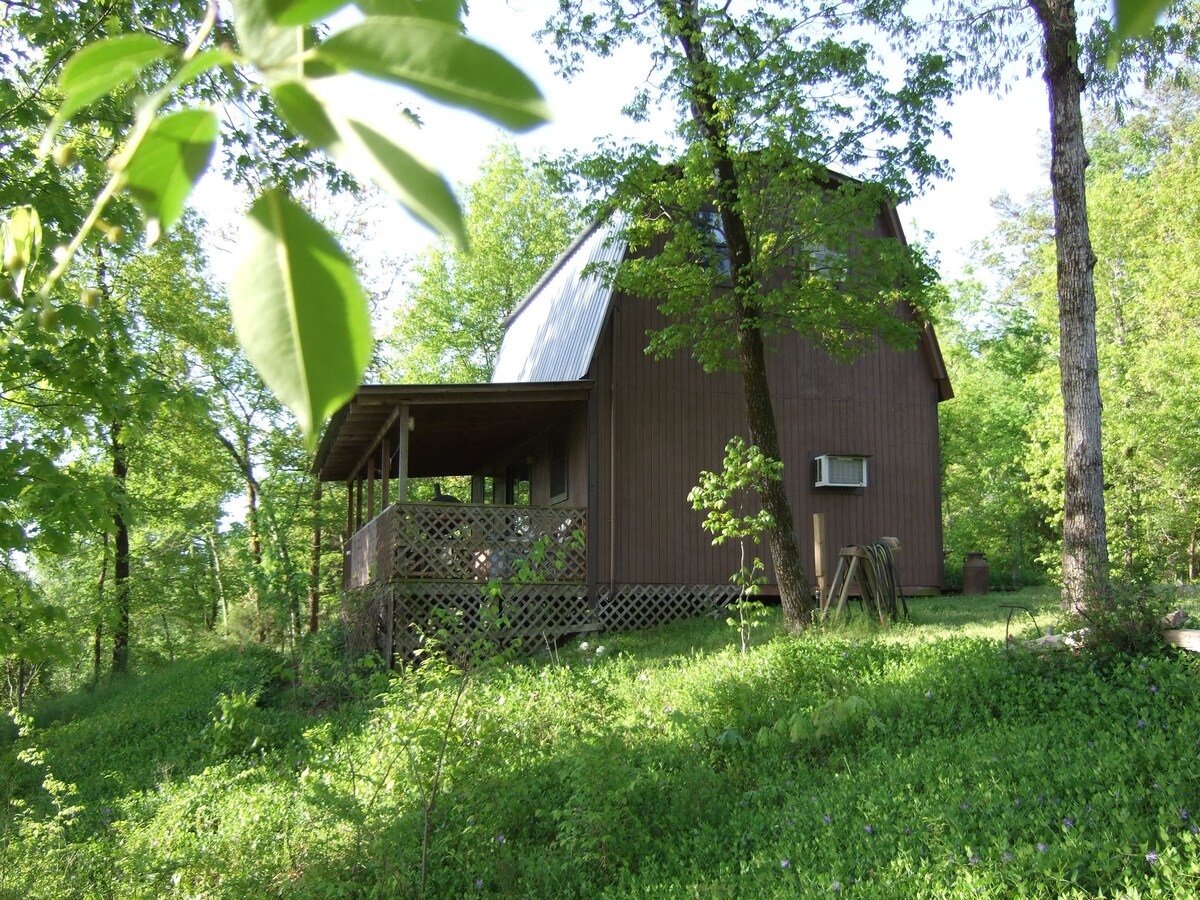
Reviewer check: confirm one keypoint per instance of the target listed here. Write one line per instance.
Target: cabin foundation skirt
(395, 618)
(630, 607)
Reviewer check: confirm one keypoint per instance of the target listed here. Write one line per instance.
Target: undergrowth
(919, 761)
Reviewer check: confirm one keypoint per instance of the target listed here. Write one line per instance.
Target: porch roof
(456, 428)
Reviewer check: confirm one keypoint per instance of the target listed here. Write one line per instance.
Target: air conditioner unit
(841, 471)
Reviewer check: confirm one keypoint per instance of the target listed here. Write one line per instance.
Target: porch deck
(414, 558)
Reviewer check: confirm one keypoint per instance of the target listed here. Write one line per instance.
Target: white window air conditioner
(841, 471)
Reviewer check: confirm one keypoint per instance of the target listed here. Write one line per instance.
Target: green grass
(920, 760)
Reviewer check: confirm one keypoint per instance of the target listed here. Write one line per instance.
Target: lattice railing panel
(462, 612)
(635, 606)
(530, 612)
(451, 542)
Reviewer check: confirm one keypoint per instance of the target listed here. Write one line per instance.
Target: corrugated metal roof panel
(553, 334)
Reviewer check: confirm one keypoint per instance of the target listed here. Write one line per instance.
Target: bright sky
(997, 144)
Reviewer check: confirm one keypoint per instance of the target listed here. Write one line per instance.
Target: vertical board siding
(672, 421)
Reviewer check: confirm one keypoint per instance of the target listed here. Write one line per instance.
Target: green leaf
(448, 11)
(299, 311)
(167, 164)
(305, 112)
(202, 62)
(1137, 17)
(302, 12)
(20, 242)
(441, 63)
(375, 152)
(265, 43)
(99, 68)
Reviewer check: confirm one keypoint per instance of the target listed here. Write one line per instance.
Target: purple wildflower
(1151, 857)
(1068, 822)
(826, 818)
(499, 839)
(1154, 688)
(785, 864)
(837, 886)
(974, 860)
(929, 695)
(1007, 857)
(867, 828)
(478, 882)
(1042, 848)
(1183, 814)
(1141, 723)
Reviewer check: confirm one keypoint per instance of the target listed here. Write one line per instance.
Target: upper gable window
(712, 236)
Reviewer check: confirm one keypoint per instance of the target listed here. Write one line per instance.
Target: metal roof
(552, 335)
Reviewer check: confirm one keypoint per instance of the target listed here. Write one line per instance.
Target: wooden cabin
(582, 452)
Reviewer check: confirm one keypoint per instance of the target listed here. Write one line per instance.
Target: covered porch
(411, 556)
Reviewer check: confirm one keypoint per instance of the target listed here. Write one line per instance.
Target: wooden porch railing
(455, 543)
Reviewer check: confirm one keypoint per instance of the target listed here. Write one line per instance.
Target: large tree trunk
(760, 412)
(1085, 543)
(120, 469)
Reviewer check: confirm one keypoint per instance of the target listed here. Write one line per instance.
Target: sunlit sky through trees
(997, 145)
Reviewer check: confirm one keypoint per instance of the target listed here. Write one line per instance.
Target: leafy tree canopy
(452, 320)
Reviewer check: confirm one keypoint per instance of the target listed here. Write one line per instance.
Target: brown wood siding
(537, 449)
(671, 420)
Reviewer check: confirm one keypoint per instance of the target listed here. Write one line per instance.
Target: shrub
(1128, 622)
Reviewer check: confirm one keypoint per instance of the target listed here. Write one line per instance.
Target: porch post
(593, 500)
(358, 516)
(349, 533)
(385, 459)
(370, 489)
(402, 453)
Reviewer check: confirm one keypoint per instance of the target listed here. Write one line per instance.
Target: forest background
(134, 419)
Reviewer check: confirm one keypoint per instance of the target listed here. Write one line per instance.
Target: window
(558, 465)
(712, 238)
(516, 484)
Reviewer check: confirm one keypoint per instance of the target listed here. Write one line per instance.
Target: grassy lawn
(920, 760)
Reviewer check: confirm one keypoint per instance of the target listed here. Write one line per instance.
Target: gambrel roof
(552, 335)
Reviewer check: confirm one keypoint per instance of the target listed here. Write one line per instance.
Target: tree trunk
(1192, 555)
(684, 19)
(255, 546)
(1085, 543)
(98, 636)
(314, 563)
(220, 598)
(120, 469)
